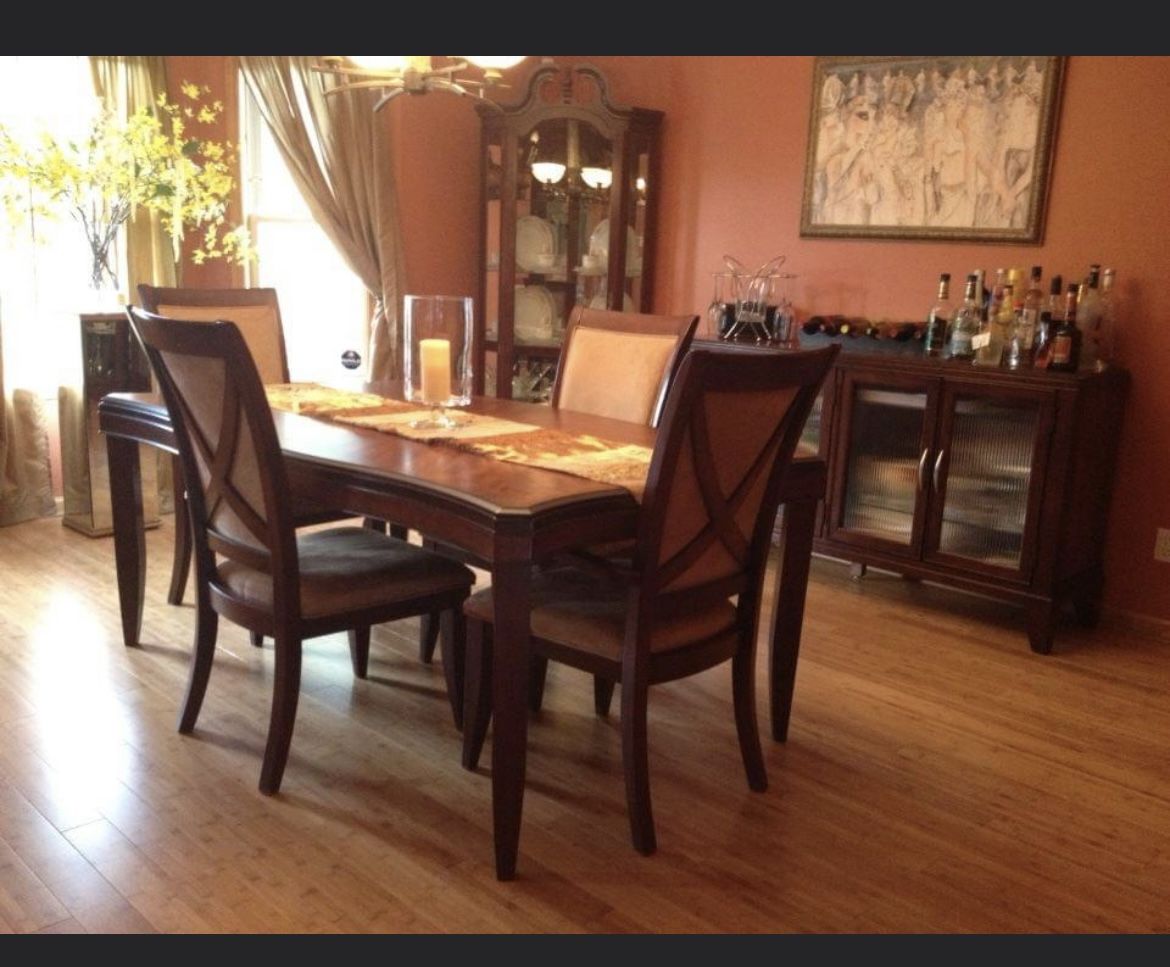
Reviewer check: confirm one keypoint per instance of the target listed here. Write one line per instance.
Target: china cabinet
(569, 194)
(989, 480)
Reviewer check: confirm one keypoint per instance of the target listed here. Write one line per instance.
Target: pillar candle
(435, 370)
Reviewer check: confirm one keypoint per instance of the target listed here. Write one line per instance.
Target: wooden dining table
(507, 515)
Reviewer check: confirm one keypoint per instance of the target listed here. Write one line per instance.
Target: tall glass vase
(437, 332)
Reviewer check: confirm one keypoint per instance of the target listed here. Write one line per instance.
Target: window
(44, 263)
(324, 306)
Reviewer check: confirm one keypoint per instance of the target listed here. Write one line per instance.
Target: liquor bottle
(1066, 337)
(992, 338)
(1028, 306)
(1106, 346)
(1089, 314)
(982, 295)
(965, 325)
(938, 318)
(1049, 317)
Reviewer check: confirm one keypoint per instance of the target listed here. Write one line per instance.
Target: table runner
(580, 455)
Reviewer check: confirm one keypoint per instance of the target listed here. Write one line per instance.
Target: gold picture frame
(944, 148)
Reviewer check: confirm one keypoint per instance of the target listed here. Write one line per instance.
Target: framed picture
(930, 147)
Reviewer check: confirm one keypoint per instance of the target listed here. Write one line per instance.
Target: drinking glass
(721, 311)
(437, 331)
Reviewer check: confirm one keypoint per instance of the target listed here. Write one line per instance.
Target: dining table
(507, 515)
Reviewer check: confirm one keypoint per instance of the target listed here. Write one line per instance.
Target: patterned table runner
(580, 455)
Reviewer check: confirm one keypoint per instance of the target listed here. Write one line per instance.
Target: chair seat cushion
(586, 611)
(349, 569)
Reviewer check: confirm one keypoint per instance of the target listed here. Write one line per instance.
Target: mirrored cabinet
(569, 202)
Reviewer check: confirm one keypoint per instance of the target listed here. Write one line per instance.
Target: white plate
(598, 302)
(534, 237)
(536, 308)
(599, 246)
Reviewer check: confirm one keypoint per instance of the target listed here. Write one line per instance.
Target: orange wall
(734, 141)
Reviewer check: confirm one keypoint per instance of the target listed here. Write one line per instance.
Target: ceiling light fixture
(416, 75)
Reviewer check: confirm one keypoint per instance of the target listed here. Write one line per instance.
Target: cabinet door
(884, 425)
(986, 477)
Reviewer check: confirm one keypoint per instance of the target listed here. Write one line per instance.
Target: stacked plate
(536, 313)
(599, 246)
(536, 244)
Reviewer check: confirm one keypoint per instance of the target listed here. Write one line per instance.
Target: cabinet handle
(922, 469)
(938, 467)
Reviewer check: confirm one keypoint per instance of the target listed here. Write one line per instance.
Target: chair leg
(537, 673)
(636, 763)
(181, 567)
(743, 690)
(398, 530)
(206, 627)
(256, 638)
(602, 694)
(286, 688)
(453, 640)
(477, 691)
(429, 626)
(359, 650)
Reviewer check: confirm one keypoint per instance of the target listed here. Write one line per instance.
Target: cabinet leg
(1042, 625)
(857, 571)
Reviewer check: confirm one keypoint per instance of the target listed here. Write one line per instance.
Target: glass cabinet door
(885, 427)
(984, 509)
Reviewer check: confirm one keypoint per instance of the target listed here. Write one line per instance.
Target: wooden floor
(938, 777)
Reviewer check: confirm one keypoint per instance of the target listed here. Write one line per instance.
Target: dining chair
(256, 313)
(620, 364)
(729, 430)
(251, 566)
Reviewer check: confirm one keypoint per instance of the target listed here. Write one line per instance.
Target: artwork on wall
(930, 147)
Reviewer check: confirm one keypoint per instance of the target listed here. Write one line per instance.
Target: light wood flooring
(938, 777)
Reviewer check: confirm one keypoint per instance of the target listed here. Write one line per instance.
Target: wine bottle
(965, 325)
(1066, 337)
(1049, 318)
(938, 318)
(993, 331)
(1107, 329)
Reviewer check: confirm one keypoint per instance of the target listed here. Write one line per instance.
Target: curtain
(336, 149)
(25, 487)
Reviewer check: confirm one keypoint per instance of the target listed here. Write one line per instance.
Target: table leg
(129, 536)
(511, 590)
(795, 556)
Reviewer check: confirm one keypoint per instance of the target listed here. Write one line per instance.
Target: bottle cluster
(1014, 324)
(851, 327)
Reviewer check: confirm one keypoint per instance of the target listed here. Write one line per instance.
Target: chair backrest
(729, 431)
(620, 364)
(255, 312)
(227, 442)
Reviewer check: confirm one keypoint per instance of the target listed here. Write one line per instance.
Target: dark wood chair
(613, 364)
(250, 564)
(256, 313)
(729, 430)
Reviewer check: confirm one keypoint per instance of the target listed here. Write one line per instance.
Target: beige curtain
(336, 149)
(25, 487)
(126, 85)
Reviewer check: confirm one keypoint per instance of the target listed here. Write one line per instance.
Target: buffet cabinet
(988, 480)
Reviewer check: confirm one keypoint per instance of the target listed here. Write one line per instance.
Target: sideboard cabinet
(989, 480)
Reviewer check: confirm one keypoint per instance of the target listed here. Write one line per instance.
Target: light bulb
(548, 172)
(640, 183)
(381, 63)
(597, 177)
(494, 62)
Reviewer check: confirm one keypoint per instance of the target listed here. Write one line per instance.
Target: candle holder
(437, 356)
